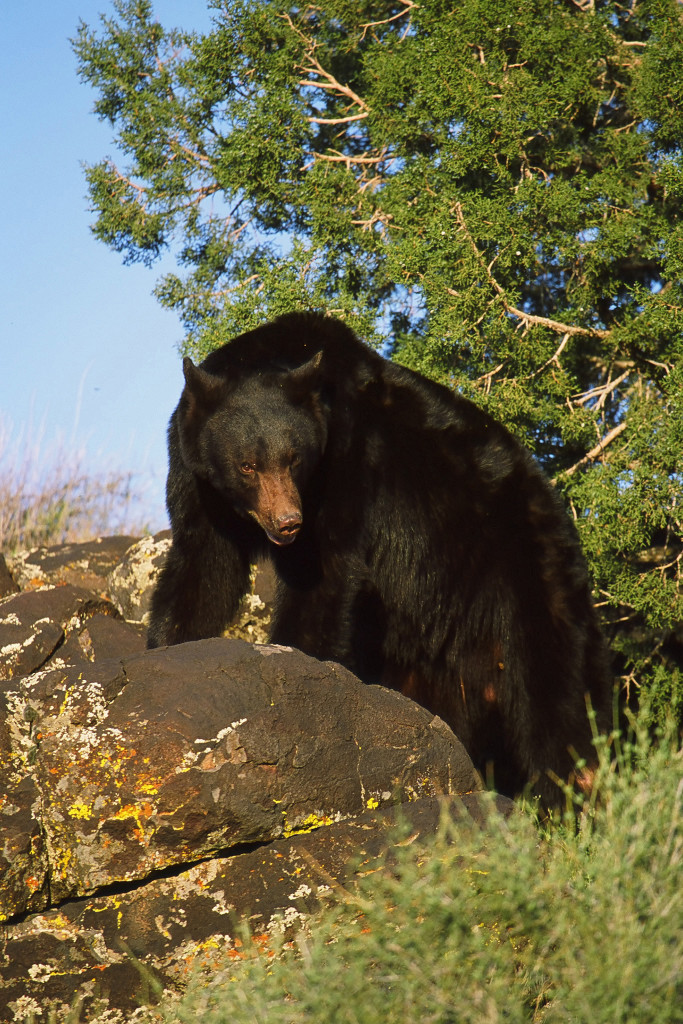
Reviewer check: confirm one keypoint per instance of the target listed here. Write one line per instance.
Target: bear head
(256, 438)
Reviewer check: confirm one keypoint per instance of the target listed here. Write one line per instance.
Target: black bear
(414, 540)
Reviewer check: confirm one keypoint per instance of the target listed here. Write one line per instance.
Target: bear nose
(289, 525)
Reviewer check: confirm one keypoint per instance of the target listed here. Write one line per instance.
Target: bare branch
(332, 84)
(316, 68)
(219, 293)
(486, 378)
(178, 148)
(662, 366)
(598, 450)
(378, 217)
(336, 120)
(334, 156)
(327, 81)
(601, 392)
(408, 5)
(140, 189)
(315, 85)
(555, 357)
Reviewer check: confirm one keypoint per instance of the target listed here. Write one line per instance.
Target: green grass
(579, 922)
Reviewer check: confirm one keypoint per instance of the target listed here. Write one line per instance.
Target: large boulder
(132, 580)
(167, 756)
(8, 584)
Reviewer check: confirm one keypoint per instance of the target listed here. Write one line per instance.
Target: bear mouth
(281, 539)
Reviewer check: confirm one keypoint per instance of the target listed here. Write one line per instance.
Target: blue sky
(88, 359)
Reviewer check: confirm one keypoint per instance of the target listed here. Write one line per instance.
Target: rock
(35, 624)
(83, 565)
(253, 618)
(131, 584)
(132, 581)
(23, 855)
(101, 636)
(125, 570)
(172, 924)
(7, 584)
(180, 753)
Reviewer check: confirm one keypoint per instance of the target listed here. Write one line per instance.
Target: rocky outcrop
(84, 565)
(151, 800)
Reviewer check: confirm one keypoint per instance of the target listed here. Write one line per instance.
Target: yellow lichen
(80, 810)
(307, 824)
(149, 788)
(62, 860)
(67, 697)
(137, 813)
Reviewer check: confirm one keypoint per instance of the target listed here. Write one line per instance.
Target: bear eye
(295, 461)
(247, 468)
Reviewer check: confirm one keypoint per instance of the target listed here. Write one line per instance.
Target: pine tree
(490, 189)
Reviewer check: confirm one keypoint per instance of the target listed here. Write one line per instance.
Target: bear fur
(413, 538)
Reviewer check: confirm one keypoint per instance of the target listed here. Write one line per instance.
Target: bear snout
(278, 531)
(277, 508)
(282, 531)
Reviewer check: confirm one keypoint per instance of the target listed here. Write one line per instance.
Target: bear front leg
(199, 590)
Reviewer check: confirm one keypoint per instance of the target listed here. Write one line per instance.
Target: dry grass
(47, 496)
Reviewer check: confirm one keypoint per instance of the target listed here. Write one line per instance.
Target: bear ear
(306, 378)
(202, 388)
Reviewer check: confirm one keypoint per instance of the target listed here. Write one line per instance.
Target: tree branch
(316, 68)
(594, 452)
(378, 217)
(601, 392)
(555, 357)
(408, 5)
(337, 120)
(328, 83)
(527, 318)
(334, 156)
